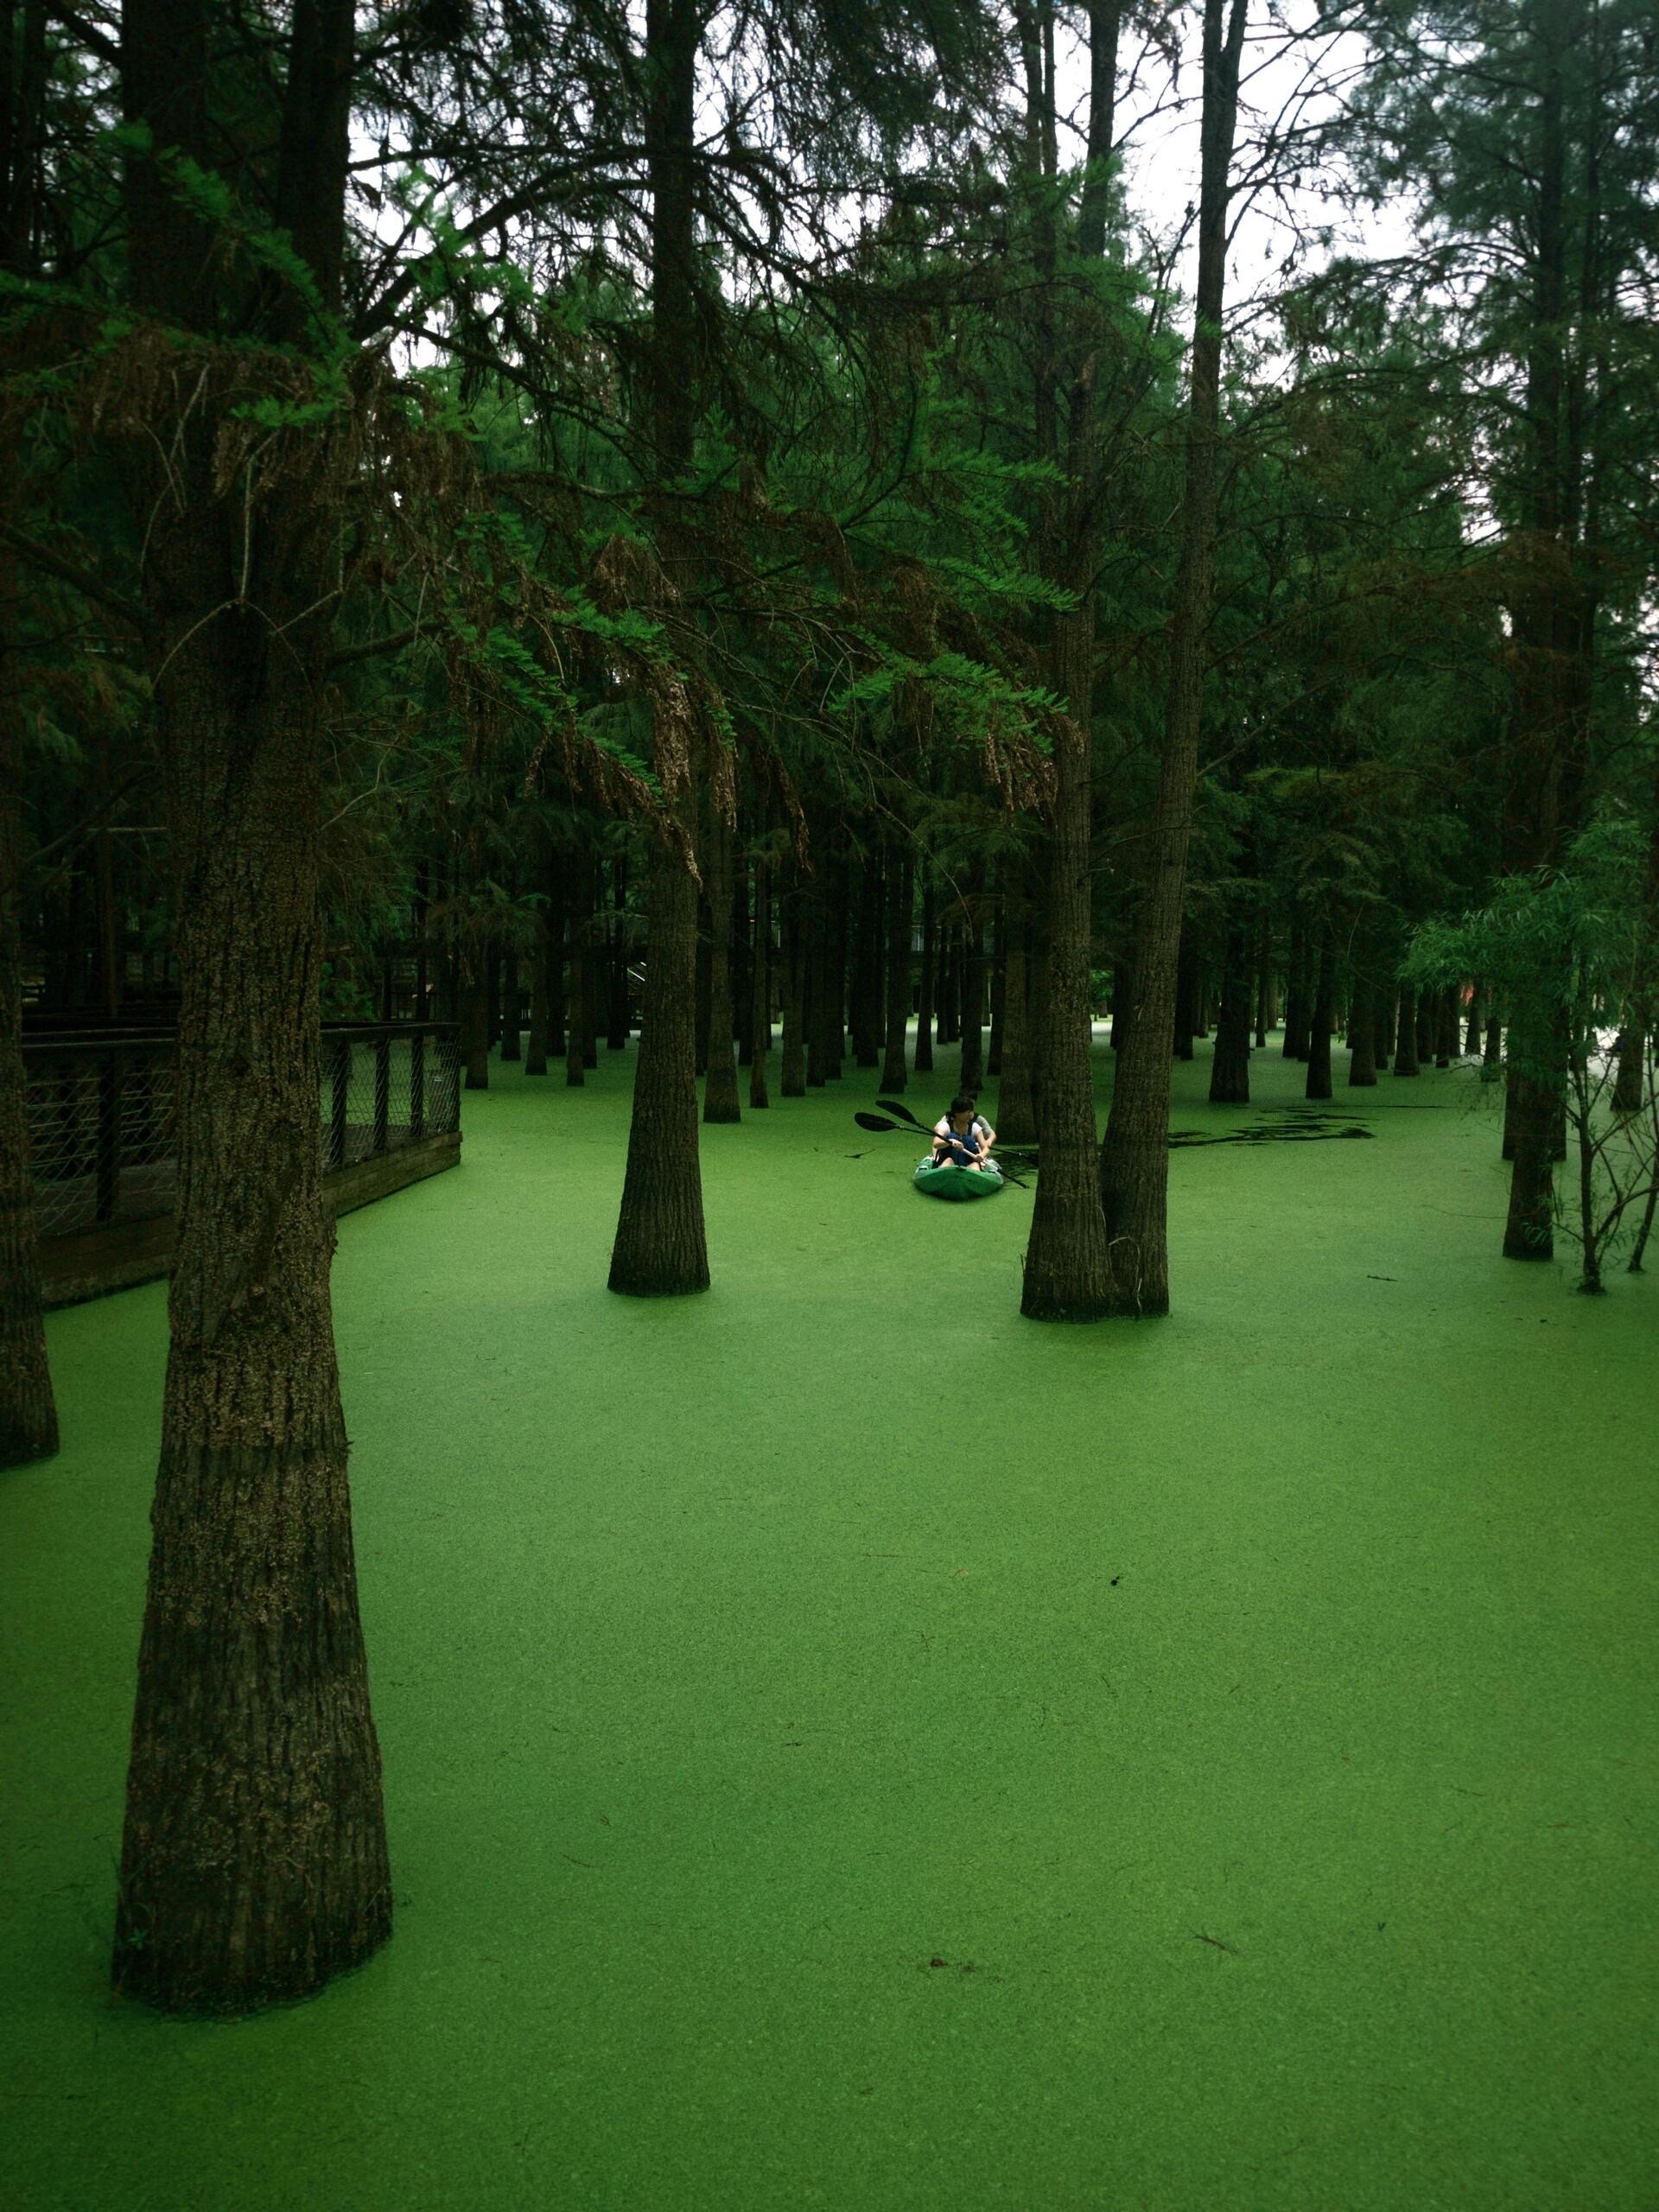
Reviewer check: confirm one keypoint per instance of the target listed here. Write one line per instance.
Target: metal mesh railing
(100, 1114)
(383, 1088)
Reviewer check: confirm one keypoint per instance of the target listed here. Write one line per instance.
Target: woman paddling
(962, 1138)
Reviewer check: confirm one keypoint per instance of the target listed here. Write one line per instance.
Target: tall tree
(253, 1862)
(1135, 1157)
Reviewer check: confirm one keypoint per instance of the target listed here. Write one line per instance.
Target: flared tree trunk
(1405, 1056)
(1529, 1226)
(661, 1249)
(1362, 1057)
(254, 1861)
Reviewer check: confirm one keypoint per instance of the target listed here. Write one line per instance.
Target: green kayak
(951, 1182)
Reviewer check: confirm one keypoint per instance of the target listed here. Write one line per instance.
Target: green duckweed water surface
(846, 1745)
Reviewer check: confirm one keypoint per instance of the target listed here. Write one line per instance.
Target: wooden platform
(87, 1262)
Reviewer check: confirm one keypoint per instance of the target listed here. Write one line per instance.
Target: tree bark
(253, 1863)
(1135, 1158)
(761, 987)
(511, 1035)
(901, 896)
(1230, 1067)
(536, 1042)
(1068, 1269)
(1405, 1057)
(720, 1097)
(616, 1013)
(661, 1249)
(1362, 1057)
(792, 1070)
(1321, 1021)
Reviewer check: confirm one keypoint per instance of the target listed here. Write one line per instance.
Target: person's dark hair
(962, 1103)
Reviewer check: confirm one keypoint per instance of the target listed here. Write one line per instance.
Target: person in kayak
(962, 1138)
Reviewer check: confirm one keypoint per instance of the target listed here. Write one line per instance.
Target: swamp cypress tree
(254, 1861)
(661, 1247)
(1135, 1158)
(1068, 1269)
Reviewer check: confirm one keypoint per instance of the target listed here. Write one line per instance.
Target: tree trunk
(511, 1035)
(475, 1014)
(536, 1043)
(1427, 1026)
(616, 1014)
(1405, 1057)
(1230, 1067)
(792, 1071)
(1135, 1160)
(864, 997)
(1294, 1045)
(720, 1099)
(660, 1250)
(1320, 1023)
(253, 1862)
(1529, 1229)
(1068, 1267)
(575, 1008)
(1627, 1084)
(761, 987)
(901, 894)
(1186, 1017)
(1362, 1058)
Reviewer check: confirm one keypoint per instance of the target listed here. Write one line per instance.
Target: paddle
(1023, 1152)
(879, 1127)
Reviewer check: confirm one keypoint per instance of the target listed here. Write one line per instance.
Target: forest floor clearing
(848, 1746)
